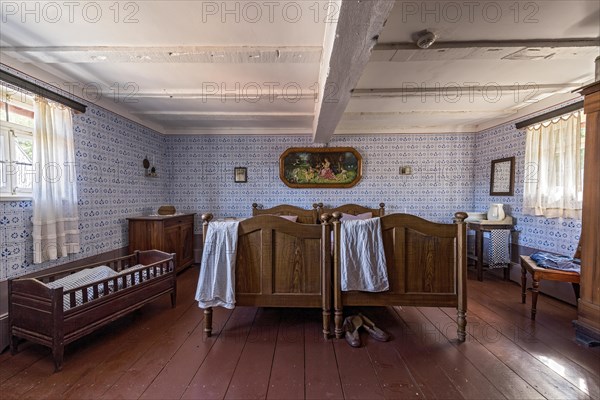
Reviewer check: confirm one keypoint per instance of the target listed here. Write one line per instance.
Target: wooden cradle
(55, 317)
(426, 266)
(304, 216)
(280, 263)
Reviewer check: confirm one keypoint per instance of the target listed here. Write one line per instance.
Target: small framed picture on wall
(240, 174)
(502, 180)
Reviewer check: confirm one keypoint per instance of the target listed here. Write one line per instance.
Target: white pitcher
(496, 212)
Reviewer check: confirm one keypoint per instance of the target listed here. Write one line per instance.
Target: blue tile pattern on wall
(451, 173)
(555, 235)
(109, 150)
(201, 178)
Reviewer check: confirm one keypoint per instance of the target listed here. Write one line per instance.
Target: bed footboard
(426, 266)
(280, 263)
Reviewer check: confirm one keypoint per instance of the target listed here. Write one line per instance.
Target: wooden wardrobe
(587, 325)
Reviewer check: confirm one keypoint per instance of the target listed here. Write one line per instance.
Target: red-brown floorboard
(277, 353)
(287, 371)
(501, 342)
(322, 378)
(498, 374)
(253, 371)
(469, 380)
(212, 378)
(410, 343)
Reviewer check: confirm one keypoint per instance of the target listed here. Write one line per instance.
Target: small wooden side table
(479, 227)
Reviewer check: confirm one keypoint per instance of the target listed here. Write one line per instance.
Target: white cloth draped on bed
(362, 259)
(216, 284)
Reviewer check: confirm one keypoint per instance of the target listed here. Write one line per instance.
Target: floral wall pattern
(111, 187)
(201, 178)
(556, 235)
(450, 172)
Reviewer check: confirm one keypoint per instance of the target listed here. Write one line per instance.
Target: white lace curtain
(554, 168)
(55, 212)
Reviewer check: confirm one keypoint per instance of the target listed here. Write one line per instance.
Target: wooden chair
(539, 273)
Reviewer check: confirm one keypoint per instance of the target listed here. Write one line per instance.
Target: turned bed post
(206, 218)
(326, 273)
(461, 265)
(337, 291)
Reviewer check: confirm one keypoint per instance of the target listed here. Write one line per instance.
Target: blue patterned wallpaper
(557, 235)
(109, 150)
(195, 173)
(201, 177)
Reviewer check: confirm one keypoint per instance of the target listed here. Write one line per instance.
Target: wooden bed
(55, 317)
(280, 263)
(426, 266)
(304, 216)
(353, 209)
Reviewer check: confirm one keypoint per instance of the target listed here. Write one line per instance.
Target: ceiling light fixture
(426, 39)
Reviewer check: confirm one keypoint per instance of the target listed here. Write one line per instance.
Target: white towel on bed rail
(362, 259)
(216, 283)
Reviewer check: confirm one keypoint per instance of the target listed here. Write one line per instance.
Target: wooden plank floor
(159, 353)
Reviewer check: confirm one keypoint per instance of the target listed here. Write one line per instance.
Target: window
(554, 167)
(16, 144)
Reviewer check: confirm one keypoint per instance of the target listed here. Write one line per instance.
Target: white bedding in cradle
(88, 276)
(362, 258)
(82, 278)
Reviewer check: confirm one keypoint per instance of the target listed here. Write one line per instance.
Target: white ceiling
(289, 67)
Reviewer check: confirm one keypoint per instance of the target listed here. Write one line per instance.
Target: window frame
(11, 132)
(549, 186)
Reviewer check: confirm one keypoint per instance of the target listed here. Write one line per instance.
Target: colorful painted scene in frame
(325, 167)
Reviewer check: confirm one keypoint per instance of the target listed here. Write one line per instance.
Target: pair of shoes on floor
(354, 322)
(351, 325)
(373, 330)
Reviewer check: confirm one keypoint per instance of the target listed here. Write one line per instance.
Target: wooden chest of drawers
(169, 233)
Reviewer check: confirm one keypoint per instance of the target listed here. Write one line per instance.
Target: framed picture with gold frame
(502, 178)
(320, 167)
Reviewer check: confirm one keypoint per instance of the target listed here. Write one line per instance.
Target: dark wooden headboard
(304, 216)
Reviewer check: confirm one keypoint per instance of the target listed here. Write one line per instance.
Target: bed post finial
(325, 218)
(337, 216)
(460, 217)
(206, 218)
